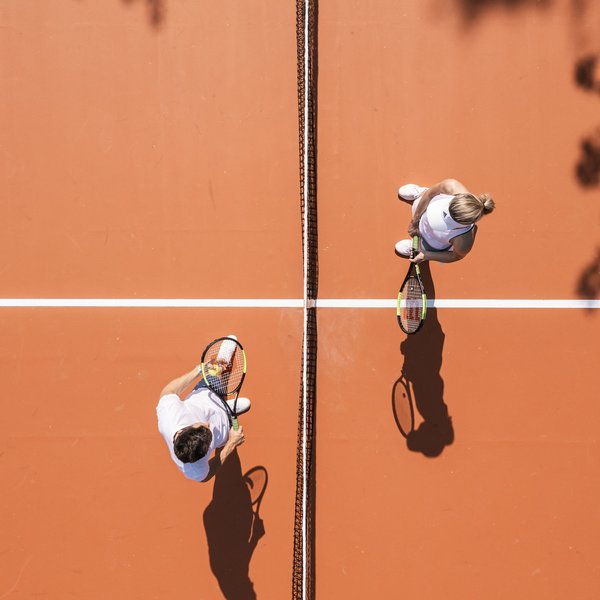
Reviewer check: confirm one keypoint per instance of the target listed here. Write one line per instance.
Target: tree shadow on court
(588, 284)
(472, 10)
(420, 387)
(156, 10)
(234, 527)
(587, 170)
(586, 76)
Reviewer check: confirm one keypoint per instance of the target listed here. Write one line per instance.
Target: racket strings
(228, 381)
(411, 308)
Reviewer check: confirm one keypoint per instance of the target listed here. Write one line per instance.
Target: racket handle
(234, 423)
(415, 251)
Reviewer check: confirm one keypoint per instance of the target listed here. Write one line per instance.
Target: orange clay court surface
(149, 149)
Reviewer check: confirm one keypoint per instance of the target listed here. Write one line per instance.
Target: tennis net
(303, 560)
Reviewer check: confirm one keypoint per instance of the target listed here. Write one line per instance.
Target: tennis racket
(411, 305)
(224, 368)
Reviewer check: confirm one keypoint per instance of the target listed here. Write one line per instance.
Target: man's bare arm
(178, 386)
(236, 438)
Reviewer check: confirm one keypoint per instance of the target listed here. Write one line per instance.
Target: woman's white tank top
(437, 227)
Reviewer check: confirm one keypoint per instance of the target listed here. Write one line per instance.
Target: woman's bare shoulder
(452, 187)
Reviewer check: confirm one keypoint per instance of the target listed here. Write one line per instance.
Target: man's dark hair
(192, 444)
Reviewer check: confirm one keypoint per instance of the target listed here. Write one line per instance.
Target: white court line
(288, 303)
(461, 303)
(152, 302)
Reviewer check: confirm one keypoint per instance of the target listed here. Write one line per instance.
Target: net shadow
(419, 391)
(233, 526)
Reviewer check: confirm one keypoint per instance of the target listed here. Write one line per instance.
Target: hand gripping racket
(224, 368)
(411, 305)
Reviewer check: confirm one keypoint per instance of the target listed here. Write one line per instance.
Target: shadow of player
(233, 530)
(421, 386)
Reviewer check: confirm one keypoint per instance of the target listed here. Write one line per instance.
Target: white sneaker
(411, 191)
(227, 349)
(243, 405)
(404, 248)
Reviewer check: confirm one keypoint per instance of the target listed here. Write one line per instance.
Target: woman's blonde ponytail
(487, 202)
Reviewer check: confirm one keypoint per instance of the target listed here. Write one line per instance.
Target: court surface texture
(150, 203)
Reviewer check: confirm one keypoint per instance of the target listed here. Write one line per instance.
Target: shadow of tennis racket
(403, 406)
(256, 479)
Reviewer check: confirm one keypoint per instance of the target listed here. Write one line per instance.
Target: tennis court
(151, 201)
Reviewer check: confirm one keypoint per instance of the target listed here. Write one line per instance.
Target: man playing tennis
(444, 217)
(195, 426)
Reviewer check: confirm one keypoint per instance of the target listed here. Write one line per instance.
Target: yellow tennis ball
(215, 370)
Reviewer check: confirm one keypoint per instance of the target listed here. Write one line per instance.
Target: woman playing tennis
(444, 217)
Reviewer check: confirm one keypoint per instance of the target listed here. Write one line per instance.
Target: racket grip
(234, 423)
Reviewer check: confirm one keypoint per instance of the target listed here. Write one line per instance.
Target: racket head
(224, 366)
(411, 304)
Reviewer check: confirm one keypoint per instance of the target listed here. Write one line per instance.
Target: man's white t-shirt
(200, 406)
